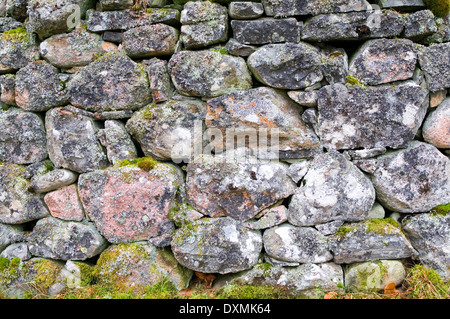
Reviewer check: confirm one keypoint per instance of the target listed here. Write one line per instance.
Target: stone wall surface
(302, 144)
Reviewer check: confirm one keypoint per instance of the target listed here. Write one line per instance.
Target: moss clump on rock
(441, 210)
(440, 8)
(144, 163)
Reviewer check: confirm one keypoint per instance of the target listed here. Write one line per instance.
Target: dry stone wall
(294, 143)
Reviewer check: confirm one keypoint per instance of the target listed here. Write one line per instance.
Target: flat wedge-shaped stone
(306, 7)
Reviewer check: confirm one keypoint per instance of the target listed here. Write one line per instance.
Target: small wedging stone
(65, 204)
(434, 61)
(316, 7)
(402, 4)
(10, 234)
(208, 73)
(17, 50)
(297, 244)
(332, 189)
(291, 66)
(118, 143)
(107, 5)
(368, 240)
(72, 141)
(53, 180)
(384, 60)
(308, 280)
(18, 204)
(65, 240)
(138, 265)
(335, 65)
(8, 89)
(271, 217)
(113, 82)
(353, 117)
(217, 245)
(430, 235)
(329, 228)
(435, 129)
(420, 24)
(374, 275)
(236, 48)
(22, 137)
(158, 75)
(17, 250)
(127, 203)
(412, 180)
(230, 184)
(243, 10)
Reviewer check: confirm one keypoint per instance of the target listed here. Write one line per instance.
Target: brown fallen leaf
(390, 290)
(207, 278)
(331, 295)
(186, 292)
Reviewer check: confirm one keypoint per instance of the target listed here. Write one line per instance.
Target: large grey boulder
(22, 137)
(65, 240)
(72, 141)
(17, 49)
(352, 117)
(332, 189)
(412, 180)
(430, 236)
(208, 73)
(265, 114)
(289, 66)
(434, 62)
(231, 184)
(296, 244)
(113, 82)
(216, 245)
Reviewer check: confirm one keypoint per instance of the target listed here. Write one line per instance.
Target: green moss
(382, 226)
(144, 163)
(234, 291)
(345, 229)
(46, 273)
(441, 210)
(354, 82)
(177, 214)
(440, 8)
(86, 273)
(19, 34)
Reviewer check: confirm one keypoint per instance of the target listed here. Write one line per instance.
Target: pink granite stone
(65, 204)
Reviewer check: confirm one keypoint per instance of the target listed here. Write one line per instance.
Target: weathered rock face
(271, 217)
(420, 24)
(433, 61)
(53, 180)
(65, 240)
(245, 10)
(65, 204)
(149, 127)
(117, 141)
(256, 111)
(72, 141)
(138, 265)
(22, 137)
(39, 87)
(359, 117)
(113, 82)
(372, 239)
(17, 49)
(217, 245)
(384, 60)
(18, 204)
(315, 7)
(429, 235)
(332, 189)
(297, 244)
(158, 75)
(208, 73)
(129, 203)
(412, 180)
(435, 129)
(290, 66)
(241, 188)
(107, 5)
(10, 234)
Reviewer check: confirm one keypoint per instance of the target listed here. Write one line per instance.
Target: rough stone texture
(315, 7)
(10, 234)
(372, 239)
(53, 180)
(231, 185)
(384, 60)
(8, 89)
(353, 26)
(18, 204)
(298, 170)
(332, 189)
(374, 275)
(39, 87)
(271, 217)
(401, 4)
(245, 10)
(138, 265)
(65, 240)
(436, 98)
(99, 21)
(8, 23)
(443, 31)
(329, 228)
(434, 62)
(17, 49)
(77, 48)
(18, 250)
(50, 17)
(22, 137)
(308, 280)
(160, 84)
(150, 41)
(236, 48)
(115, 138)
(266, 30)
(113, 82)
(297, 244)
(265, 112)
(149, 127)
(335, 65)
(289, 66)
(208, 73)
(72, 141)
(412, 180)
(129, 203)
(217, 245)
(429, 235)
(360, 117)
(65, 204)
(203, 23)
(436, 128)
(107, 5)
(420, 24)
